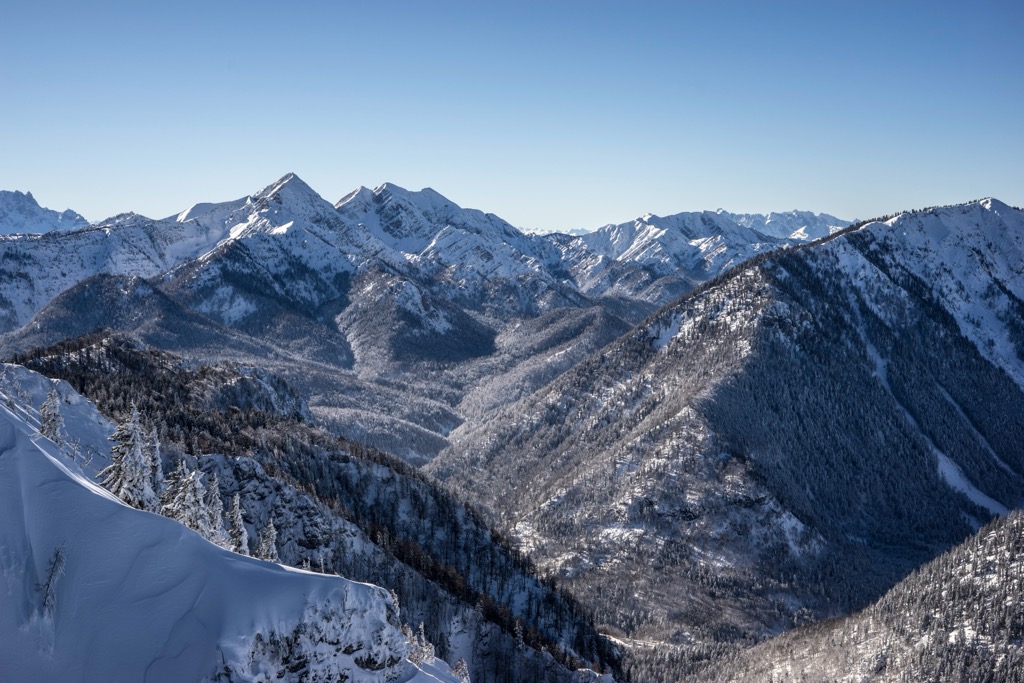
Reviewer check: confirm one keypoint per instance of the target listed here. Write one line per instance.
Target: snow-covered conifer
(129, 475)
(186, 499)
(51, 422)
(422, 648)
(267, 549)
(461, 671)
(215, 513)
(156, 463)
(239, 536)
(48, 587)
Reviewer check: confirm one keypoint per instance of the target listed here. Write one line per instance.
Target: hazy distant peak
(796, 224)
(21, 213)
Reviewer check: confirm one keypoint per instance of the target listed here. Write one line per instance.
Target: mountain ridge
(808, 399)
(21, 213)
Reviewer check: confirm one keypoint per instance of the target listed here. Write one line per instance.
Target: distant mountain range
(709, 428)
(381, 281)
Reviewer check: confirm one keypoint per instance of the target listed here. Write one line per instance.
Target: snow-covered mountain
(845, 410)
(795, 225)
(424, 258)
(415, 254)
(96, 590)
(801, 414)
(39, 267)
(477, 255)
(656, 258)
(21, 213)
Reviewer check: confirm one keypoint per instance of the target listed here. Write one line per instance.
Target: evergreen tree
(129, 475)
(48, 588)
(422, 647)
(214, 507)
(51, 422)
(157, 464)
(239, 536)
(267, 549)
(461, 671)
(186, 500)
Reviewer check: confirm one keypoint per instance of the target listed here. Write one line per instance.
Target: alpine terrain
(391, 438)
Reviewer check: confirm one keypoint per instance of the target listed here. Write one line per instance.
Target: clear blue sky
(551, 114)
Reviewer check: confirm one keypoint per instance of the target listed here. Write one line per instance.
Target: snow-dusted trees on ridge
(267, 549)
(156, 463)
(130, 473)
(51, 422)
(239, 536)
(197, 505)
(461, 670)
(185, 499)
(214, 508)
(422, 649)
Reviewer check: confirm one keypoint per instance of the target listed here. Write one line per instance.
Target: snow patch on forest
(663, 334)
(954, 476)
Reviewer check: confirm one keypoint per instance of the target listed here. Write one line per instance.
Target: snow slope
(142, 598)
(21, 213)
(970, 257)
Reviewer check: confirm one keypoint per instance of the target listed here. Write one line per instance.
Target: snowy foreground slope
(142, 598)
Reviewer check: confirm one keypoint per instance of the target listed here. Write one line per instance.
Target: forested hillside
(783, 444)
(336, 506)
(957, 618)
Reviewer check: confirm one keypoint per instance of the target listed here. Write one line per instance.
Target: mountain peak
(360, 195)
(18, 196)
(290, 184)
(993, 204)
(427, 195)
(21, 213)
(392, 189)
(385, 191)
